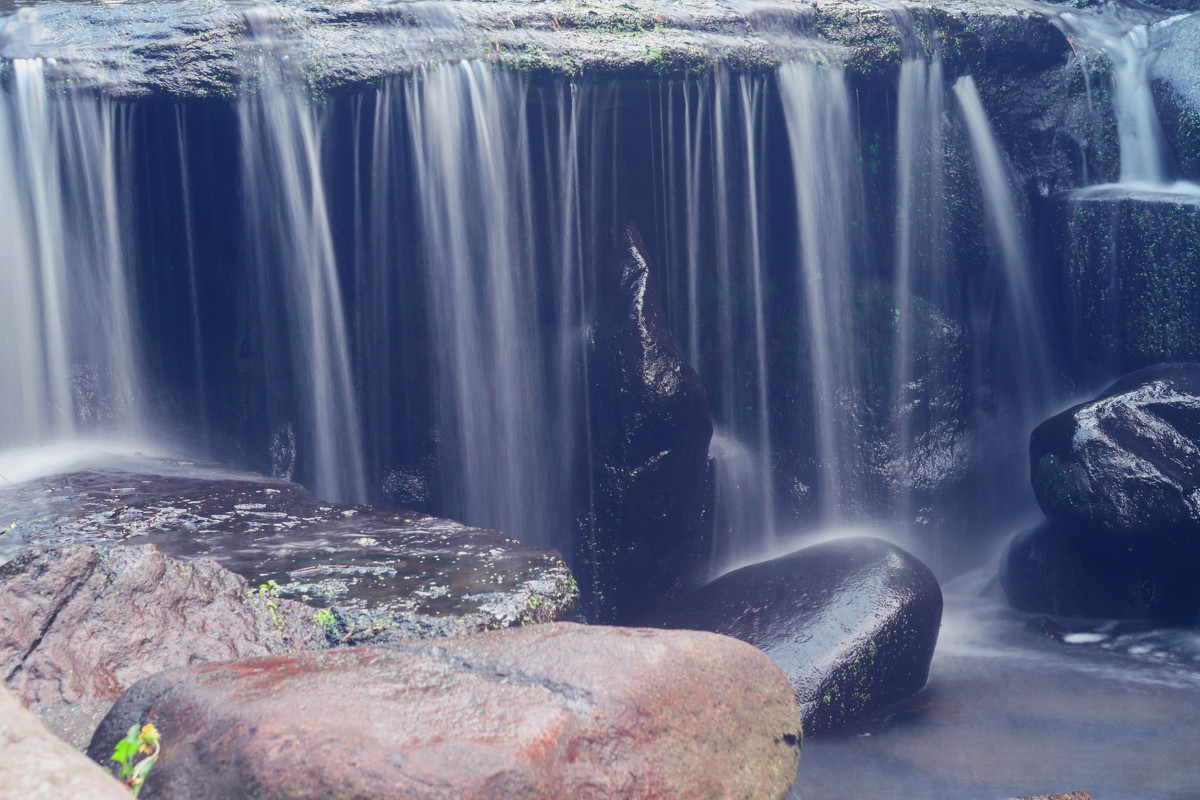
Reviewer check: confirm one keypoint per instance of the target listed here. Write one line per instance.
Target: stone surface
(188, 48)
(1068, 796)
(383, 572)
(80, 625)
(1084, 573)
(548, 711)
(651, 431)
(1128, 462)
(1132, 272)
(36, 765)
(852, 622)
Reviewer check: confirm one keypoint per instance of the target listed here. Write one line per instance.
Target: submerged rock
(383, 572)
(651, 431)
(853, 624)
(550, 711)
(80, 625)
(1083, 573)
(1127, 463)
(36, 765)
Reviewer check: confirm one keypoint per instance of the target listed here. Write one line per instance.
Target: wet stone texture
(382, 572)
(1132, 271)
(853, 624)
(80, 624)
(543, 712)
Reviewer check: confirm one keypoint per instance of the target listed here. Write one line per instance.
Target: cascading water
(69, 366)
(294, 258)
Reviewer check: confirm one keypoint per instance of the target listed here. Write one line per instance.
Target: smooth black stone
(1127, 463)
(650, 430)
(1082, 573)
(853, 623)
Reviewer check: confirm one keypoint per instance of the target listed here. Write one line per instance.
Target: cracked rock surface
(383, 572)
(547, 711)
(81, 624)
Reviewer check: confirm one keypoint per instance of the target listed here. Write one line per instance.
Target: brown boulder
(548, 711)
(36, 765)
(81, 624)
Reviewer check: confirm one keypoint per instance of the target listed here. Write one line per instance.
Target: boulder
(1080, 572)
(650, 435)
(80, 625)
(548, 711)
(37, 765)
(382, 572)
(852, 622)
(1126, 464)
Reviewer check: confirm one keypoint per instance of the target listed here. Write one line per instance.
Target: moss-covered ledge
(205, 48)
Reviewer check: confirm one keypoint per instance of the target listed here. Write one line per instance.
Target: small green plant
(325, 619)
(268, 591)
(136, 754)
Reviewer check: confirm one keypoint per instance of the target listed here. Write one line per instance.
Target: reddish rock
(35, 765)
(549, 711)
(80, 625)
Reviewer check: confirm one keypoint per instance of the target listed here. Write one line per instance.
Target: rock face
(1133, 276)
(852, 622)
(36, 765)
(1128, 462)
(651, 431)
(80, 625)
(1079, 573)
(383, 572)
(549, 711)
(185, 49)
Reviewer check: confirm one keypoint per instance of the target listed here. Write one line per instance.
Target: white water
(1026, 329)
(68, 365)
(289, 232)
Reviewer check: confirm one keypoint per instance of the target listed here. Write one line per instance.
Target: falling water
(825, 170)
(505, 424)
(1029, 354)
(1127, 44)
(69, 364)
(293, 248)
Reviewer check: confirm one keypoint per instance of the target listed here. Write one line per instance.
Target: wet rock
(1132, 275)
(36, 765)
(185, 49)
(80, 625)
(853, 624)
(1079, 572)
(1045, 628)
(382, 572)
(650, 433)
(1126, 464)
(549, 711)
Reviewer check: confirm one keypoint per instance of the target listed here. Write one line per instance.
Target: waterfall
(69, 366)
(1028, 357)
(828, 198)
(294, 260)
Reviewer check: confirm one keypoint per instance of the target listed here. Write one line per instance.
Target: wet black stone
(651, 430)
(1079, 572)
(853, 624)
(1127, 463)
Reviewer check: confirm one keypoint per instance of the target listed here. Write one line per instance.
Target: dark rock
(852, 622)
(80, 625)
(383, 572)
(650, 432)
(1128, 462)
(549, 711)
(36, 765)
(1132, 274)
(1083, 573)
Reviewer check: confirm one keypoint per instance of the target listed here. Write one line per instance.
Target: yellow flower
(149, 737)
